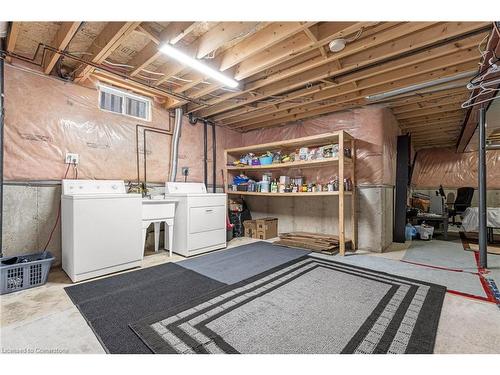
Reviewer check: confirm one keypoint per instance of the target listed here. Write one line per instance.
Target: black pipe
(2, 120)
(214, 160)
(157, 131)
(483, 230)
(205, 149)
(126, 77)
(168, 132)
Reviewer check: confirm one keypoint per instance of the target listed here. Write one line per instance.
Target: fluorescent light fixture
(419, 86)
(196, 64)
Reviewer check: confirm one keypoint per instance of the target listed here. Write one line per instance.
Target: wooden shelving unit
(342, 163)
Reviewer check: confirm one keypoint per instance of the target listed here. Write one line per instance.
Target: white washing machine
(101, 228)
(200, 218)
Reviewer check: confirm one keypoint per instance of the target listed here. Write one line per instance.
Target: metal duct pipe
(420, 86)
(175, 143)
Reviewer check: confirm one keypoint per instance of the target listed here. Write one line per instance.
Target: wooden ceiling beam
(289, 50)
(209, 42)
(172, 34)
(432, 124)
(261, 40)
(104, 44)
(133, 86)
(382, 82)
(458, 100)
(63, 36)
(421, 102)
(434, 118)
(15, 28)
(398, 40)
(149, 32)
(380, 73)
(316, 108)
(429, 111)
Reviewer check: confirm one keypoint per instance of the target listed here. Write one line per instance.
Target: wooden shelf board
(301, 195)
(315, 140)
(294, 164)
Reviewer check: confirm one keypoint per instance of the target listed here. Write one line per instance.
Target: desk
(157, 211)
(429, 218)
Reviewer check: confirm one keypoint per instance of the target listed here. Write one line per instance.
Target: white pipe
(175, 144)
(4, 28)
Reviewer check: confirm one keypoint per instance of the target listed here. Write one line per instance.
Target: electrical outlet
(72, 158)
(185, 171)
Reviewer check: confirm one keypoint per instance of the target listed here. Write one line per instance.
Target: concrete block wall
(320, 215)
(29, 214)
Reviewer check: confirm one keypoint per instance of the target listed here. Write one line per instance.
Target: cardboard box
(267, 228)
(261, 229)
(250, 228)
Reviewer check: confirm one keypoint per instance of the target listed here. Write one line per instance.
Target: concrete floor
(44, 320)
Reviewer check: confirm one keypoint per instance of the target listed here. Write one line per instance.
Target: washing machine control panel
(82, 187)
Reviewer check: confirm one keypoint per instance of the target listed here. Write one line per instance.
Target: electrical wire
(58, 215)
(118, 65)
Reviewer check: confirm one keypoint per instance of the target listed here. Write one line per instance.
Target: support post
(483, 246)
(341, 195)
(205, 150)
(2, 120)
(214, 160)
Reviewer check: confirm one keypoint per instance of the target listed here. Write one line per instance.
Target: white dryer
(101, 228)
(200, 218)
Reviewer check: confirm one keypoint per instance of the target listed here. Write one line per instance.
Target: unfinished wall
(443, 166)
(45, 118)
(376, 130)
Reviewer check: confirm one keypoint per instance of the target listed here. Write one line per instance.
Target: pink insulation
(45, 118)
(375, 129)
(443, 166)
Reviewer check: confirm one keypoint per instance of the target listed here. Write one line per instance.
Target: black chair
(462, 202)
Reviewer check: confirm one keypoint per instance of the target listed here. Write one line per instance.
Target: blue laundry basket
(24, 271)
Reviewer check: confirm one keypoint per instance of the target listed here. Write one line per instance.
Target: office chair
(462, 202)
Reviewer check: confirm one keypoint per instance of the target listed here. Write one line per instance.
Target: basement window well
(125, 103)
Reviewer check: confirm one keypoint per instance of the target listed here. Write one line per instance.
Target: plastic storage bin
(24, 271)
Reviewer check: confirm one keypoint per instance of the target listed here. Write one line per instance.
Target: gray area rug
(463, 282)
(239, 263)
(446, 254)
(110, 304)
(308, 305)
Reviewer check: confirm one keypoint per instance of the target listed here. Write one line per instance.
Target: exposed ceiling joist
(405, 39)
(15, 27)
(64, 35)
(209, 42)
(104, 44)
(173, 33)
(261, 40)
(380, 83)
